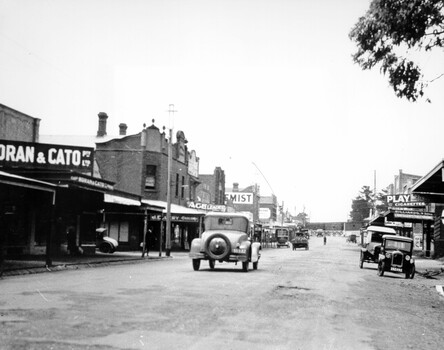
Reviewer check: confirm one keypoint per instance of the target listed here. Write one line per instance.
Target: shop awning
(432, 183)
(21, 181)
(109, 198)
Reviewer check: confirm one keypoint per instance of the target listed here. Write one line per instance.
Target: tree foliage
(362, 204)
(302, 217)
(390, 31)
(367, 201)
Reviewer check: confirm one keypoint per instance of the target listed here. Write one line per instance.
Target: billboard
(239, 197)
(16, 154)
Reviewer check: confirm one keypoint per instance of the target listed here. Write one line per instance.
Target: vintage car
(225, 239)
(282, 237)
(396, 256)
(372, 244)
(300, 240)
(104, 243)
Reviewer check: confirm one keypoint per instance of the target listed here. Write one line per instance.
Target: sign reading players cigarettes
(45, 156)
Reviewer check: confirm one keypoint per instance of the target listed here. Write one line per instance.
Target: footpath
(25, 265)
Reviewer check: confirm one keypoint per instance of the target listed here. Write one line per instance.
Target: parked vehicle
(396, 256)
(351, 238)
(225, 239)
(372, 244)
(282, 237)
(104, 243)
(300, 240)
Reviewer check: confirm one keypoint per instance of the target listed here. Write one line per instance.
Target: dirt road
(303, 299)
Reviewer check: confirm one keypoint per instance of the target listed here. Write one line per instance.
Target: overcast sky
(265, 89)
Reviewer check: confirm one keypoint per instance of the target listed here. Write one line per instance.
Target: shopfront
(431, 188)
(26, 208)
(186, 224)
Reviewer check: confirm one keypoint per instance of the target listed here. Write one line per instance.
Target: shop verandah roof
(432, 183)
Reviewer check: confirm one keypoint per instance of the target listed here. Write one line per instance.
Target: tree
(392, 28)
(362, 204)
(303, 218)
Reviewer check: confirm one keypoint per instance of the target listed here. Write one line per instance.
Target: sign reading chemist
(239, 197)
(45, 156)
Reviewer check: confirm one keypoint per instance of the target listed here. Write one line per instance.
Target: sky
(265, 89)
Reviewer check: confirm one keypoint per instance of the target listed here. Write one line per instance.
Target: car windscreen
(226, 223)
(399, 245)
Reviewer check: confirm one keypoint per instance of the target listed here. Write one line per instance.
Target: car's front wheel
(105, 247)
(410, 273)
(381, 268)
(196, 264)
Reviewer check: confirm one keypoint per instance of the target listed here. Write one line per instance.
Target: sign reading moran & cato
(45, 156)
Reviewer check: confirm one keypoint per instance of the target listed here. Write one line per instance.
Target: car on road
(225, 239)
(282, 237)
(372, 243)
(300, 240)
(396, 256)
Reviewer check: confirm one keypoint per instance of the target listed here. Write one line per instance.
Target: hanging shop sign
(207, 206)
(45, 156)
(410, 214)
(397, 224)
(97, 183)
(404, 200)
(175, 218)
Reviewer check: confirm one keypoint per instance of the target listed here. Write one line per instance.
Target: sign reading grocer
(45, 156)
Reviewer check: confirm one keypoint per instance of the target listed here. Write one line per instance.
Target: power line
(264, 178)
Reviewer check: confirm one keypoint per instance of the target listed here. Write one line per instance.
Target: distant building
(210, 193)
(402, 183)
(268, 209)
(245, 200)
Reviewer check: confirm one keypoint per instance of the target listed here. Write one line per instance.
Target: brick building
(15, 125)
(268, 209)
(210, 193)
(138, 164)
(245, 200)
(46, 188)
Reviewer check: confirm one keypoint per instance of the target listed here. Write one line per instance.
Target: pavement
(25, 265)
(32, 264)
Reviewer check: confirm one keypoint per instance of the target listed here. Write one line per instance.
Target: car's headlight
(388, 255)
(407, 257)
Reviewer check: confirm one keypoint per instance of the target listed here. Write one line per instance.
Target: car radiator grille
(397, 259)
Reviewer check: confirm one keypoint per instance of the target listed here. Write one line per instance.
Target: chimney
(102, 124)
(235, 187)
(122, 128)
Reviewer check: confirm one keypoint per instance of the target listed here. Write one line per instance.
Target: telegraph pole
(171, 112)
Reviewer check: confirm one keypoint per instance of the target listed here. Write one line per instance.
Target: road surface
(304, 299)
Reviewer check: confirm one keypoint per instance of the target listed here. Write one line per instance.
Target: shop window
(119, 230)
(182, 190)
(177, 185)
(150, 179)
